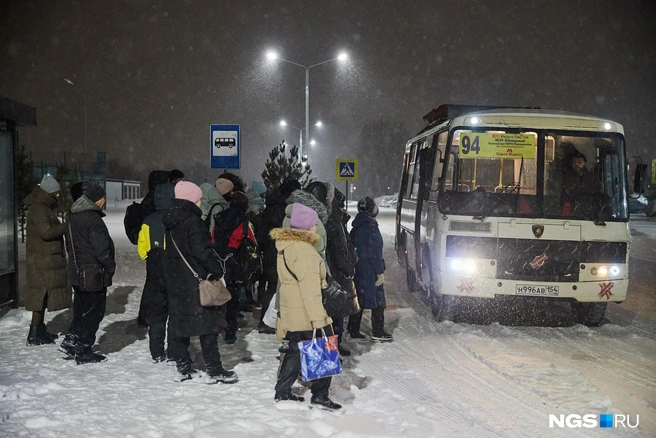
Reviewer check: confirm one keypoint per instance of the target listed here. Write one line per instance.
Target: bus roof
(526, 118)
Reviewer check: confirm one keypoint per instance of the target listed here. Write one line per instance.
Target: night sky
(156, 74)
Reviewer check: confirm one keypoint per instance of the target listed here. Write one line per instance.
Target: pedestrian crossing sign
(347, 169)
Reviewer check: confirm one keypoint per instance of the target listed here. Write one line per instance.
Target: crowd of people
(187, 233)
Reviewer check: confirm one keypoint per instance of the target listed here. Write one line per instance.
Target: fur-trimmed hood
(286, 236)
(307, 199)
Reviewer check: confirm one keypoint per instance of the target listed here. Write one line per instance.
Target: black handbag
(90, 277)
(337, 302)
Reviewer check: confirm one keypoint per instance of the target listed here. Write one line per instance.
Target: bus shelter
(12, 115)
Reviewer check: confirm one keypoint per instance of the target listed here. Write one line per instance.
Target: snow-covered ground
(436, 379)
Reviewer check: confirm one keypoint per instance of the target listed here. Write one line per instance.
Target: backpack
(133, 221)
(247, 264)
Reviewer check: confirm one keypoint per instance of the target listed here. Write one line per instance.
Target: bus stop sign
(225, 147)
(347, 169)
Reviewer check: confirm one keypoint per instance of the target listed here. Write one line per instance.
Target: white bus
(498, 202)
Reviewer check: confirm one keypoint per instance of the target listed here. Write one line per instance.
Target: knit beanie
(49, 184)
(368, 206)
(224, 185)
(258, 187)
(93, 191)
(303, 218)
(188, 191)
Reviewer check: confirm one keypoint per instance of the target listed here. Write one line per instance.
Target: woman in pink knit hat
(188, 237)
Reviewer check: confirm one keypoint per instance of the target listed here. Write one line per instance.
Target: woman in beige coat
(302, 274)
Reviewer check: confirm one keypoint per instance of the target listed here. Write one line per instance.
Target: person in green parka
(47, 281)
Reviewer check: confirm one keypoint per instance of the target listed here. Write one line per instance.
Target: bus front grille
(538, 260)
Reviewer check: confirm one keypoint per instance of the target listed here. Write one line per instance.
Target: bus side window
(438, 165)
(411, 172)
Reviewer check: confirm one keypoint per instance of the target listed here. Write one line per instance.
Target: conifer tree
(281, 165)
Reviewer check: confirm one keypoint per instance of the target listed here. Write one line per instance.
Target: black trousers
(290, 367)
(88, 312)
(154, 309)
(209, 344)
(232, 308)
(377, 322)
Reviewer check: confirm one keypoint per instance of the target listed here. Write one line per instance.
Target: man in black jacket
(88, 242)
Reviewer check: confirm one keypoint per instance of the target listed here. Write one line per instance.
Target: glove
(379, 280)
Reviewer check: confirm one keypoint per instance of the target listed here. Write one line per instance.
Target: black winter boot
(283, 396)
(221, 375)
(68, 345)
(45, 333)
(84, 355)
(35, 337)
(323, 402)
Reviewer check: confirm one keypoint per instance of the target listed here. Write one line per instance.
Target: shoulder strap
(70, 233)
(245, 229)
(184, 259)
(287, 266)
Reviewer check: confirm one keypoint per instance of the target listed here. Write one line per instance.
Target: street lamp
(86, 121)
(271, 55)
(300, 132)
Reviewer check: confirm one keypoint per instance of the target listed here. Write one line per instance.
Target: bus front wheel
(441, 306)
(589, 314)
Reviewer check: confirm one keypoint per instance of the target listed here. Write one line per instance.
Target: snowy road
(437, 379)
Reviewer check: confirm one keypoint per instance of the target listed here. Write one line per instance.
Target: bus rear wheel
(589, 314)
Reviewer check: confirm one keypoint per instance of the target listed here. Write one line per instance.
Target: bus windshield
(551, 174)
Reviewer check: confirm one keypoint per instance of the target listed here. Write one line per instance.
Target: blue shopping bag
(319, 357)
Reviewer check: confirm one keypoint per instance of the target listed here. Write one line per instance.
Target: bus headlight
(614, 271)
(468, 266)
(603, 271)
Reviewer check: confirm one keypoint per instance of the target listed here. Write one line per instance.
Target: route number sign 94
(497, 145)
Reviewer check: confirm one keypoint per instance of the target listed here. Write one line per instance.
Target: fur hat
(303, 218)
(368, 206)
(189, 191)
(93, 191)
(224, 185)
(49, 184)
(258, 187)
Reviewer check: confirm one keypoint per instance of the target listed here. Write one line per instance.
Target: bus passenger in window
(577, 180)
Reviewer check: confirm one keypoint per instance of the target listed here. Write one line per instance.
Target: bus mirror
(640, 179)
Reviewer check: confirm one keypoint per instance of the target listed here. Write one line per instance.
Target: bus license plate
(529, 289)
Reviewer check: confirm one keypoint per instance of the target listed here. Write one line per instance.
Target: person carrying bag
(301, 307)
(190, 260)
(90, 270)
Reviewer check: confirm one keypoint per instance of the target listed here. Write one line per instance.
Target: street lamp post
(86, 124)
(341, 57)
(300, 132)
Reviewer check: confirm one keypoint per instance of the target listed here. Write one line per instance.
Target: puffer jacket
(91, 239)
(301, 307)
(186, 229)
(45, 256)
(211, 203)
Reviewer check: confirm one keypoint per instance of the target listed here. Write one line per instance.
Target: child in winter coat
(151, 246)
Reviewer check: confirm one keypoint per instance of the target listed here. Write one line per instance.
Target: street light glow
(342, 56)
(318, 124)
(283, 123)
(271, 55)
(312, 142)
